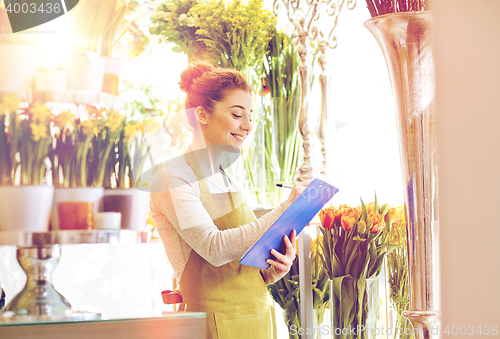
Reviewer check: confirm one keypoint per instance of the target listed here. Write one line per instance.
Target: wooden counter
(172, 325)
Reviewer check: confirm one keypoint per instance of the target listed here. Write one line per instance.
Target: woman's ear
(201, 115)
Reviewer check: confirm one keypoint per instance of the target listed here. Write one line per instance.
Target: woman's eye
(237, 116)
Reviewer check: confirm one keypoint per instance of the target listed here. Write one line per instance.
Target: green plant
(174, 24)
(283, 140)
(25, 142)
(286, 291)
(82, 148)
(397, 273)
(9, 137)
(233, 35)
(354, 247)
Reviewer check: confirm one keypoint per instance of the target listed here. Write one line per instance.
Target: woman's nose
(247, 124)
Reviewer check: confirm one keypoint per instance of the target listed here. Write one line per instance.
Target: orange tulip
(326, 216)
(347, 222)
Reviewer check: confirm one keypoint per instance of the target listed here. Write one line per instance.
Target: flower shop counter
(38, 254)
(170, 325)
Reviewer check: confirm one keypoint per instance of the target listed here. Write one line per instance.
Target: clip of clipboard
(296, 216)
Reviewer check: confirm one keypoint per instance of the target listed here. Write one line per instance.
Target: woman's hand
(284, 262)
(298, 188)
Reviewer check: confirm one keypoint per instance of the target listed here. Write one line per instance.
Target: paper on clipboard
(296, 216)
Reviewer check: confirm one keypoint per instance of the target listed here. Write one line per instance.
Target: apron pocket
(244, 324)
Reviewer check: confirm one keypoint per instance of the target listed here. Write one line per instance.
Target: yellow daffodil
(40, 113)
(88, 127)
(114, 120)
(63, 118)
(39, 131)
(129, 130)
(10, 103)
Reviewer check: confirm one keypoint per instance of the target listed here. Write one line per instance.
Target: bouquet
(232, 35)
(354, 247)
(286, 291)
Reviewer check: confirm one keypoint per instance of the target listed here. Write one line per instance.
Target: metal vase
(406, 42)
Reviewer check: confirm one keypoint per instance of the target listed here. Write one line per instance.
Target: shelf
(31, 239)
(69, 96)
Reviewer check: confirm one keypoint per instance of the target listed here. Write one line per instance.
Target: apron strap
(193, 163)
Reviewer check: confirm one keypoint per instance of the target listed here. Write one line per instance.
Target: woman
(204, 221)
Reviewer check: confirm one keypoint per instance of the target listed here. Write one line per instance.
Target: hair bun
(192, 73)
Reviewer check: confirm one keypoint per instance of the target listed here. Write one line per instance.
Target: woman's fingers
(298, 188)
(284, 262)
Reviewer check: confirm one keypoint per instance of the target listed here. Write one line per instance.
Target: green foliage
(286, 291)
(233, 35)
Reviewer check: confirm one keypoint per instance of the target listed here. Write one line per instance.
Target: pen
(284, 186)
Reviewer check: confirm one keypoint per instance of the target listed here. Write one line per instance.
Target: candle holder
(311, 26)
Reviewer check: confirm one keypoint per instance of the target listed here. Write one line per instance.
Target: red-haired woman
(204, 221)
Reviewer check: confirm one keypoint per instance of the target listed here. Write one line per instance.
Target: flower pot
(84, 72)
(75, 215)
(18, 65)
(355, 308)
(25, 208)
(76, 194)
(132, 203)
(112, 73)
(51, 81)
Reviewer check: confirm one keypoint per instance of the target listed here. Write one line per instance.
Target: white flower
(183, 19)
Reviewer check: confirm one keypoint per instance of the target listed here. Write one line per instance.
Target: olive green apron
(234, 296)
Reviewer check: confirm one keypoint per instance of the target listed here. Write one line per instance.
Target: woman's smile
(231, 120)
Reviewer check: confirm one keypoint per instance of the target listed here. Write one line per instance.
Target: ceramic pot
(25, 208)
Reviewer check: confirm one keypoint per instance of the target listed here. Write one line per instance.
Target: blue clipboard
(296, 216)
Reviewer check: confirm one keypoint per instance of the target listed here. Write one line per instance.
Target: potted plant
(80, 156)
(124, 195)
(25, 143)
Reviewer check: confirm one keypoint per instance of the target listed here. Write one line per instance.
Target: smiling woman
(206, 224)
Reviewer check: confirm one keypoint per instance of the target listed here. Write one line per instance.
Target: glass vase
(406, 42)
(355, 308)
(320, 329)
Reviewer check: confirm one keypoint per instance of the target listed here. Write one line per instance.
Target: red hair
(206, 85)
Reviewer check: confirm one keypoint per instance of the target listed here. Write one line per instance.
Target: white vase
(18, 65)
(140, 205)
(25, 208)
(76, 194)
(84, 72)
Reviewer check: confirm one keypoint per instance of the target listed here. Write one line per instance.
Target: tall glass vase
(355, 308)
(406, 42)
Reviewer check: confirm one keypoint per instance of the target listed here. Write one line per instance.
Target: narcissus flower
(88, 127)
(40, 113)
(39, 131)
(10, 103)
(64, 118)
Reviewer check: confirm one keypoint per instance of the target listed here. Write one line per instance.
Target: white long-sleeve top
(185, 225)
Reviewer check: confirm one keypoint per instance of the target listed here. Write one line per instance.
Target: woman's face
(230, 122)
